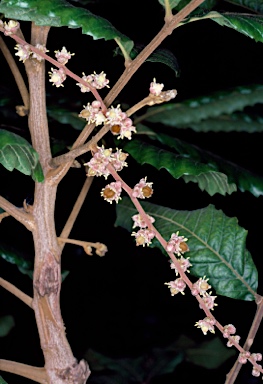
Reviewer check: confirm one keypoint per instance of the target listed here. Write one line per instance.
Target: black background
(119, 305)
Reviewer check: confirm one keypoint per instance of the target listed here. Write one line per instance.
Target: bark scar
(47, 281)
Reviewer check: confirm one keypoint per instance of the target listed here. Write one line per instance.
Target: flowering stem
(181, 272)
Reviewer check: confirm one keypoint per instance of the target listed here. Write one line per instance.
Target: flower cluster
(143, 236)
(11, 27)
(24, 52)
(142, 189)
(94, 80)
(177, 244)
(92, 113)
(184, 264)
(255, 370)
(160, 96)
(57, 77)
(120, 123)
(176, 286)
(140, 222)
(156, 88)
(63, 56)
(112, 192)
(98, 165)
(200, 287)
(207, 324)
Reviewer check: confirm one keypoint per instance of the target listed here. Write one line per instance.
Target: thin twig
(75, 211)
(33, 373)
(16, 73)
(18, 213)
(233, 373)
(101, 248)
(15, 291)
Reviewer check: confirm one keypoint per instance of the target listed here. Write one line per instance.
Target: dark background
(118, 305)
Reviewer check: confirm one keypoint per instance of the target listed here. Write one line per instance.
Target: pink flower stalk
(176, 286)
(140, 222)
(11, 27)
(184, 263)
(63, 56)
(156, 88)
(143, 237)
(112, 192)
(23, 52)
(92, 113)
(142, 189)
(57, 76)
(43, 49)
(207, 324)
(177, 244)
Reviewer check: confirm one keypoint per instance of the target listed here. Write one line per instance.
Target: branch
(15, 291)
(75, 211)
(16, 73)
(232, 375)
(33, 373)
(18, 213)
(101, 248)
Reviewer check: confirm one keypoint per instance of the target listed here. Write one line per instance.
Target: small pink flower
(156, 88)
(23, 52)
(63, 56)
(92, 113)
(11, 27)
(121, 125)
(112, 192)
(255, 371)
(207, 324)
(57, 76)
(143, 237)
(142, 189)
(201, 286)
(209, 302)
(176, 286)
(177, 244)
(184, 264)
(257, 356)
(243, 357)
(140, 222)
(228, 330)
(99, 163)
(118, 160)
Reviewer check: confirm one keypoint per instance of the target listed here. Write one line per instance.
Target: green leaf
(17, 153)
(237, 122)
(210, 354)
(191, 111)
(60, 13)
(249, 25)
(253, 5)
(242, 178)
(64, 116)
(2, 381)
(217, 245)
(160, 55)
(6, 324)
(206, 175)
(13, 256)
(157, 362)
